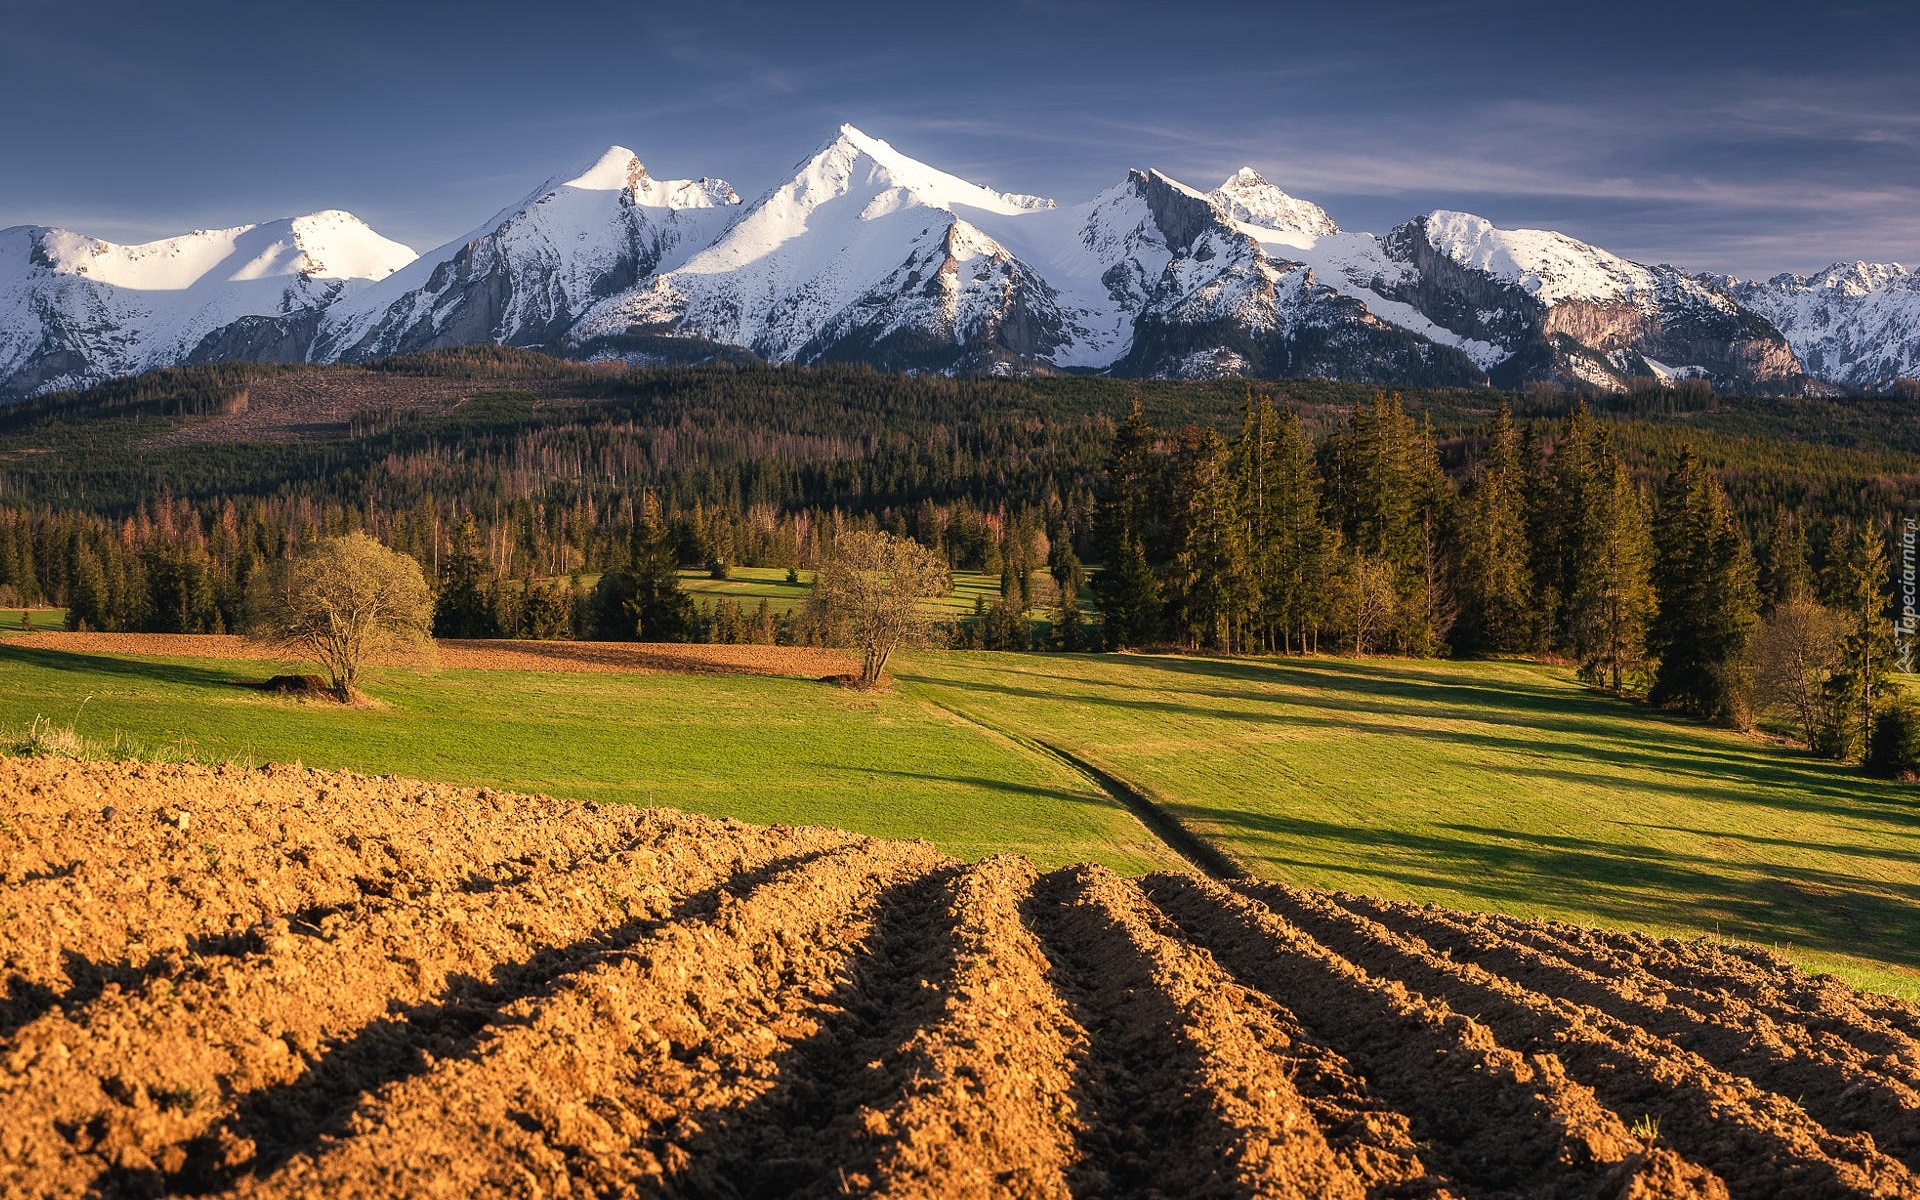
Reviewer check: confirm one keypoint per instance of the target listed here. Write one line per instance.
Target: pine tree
(463, 608)
(1785, 573)
(1131, 609)
(1496, 586)
(1207, 581)
(1297, 552)
(1707, 597)
(1858, 590)
(1613, 596)
(1127, 591)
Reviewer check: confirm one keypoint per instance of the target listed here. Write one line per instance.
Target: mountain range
(866, 255)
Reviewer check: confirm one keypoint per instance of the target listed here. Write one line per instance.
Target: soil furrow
(1834, 1082)
(144, 1087)
(337, 987)
(112, 880)
(803, 1136)
(1489, 1121)
(1714, 977)
(938, 1071)
(1178, 1054)
(609, 1080)
(1760, 1144)
(982, 1107)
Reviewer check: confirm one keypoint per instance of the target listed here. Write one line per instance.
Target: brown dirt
(640, 658)
(280, 982)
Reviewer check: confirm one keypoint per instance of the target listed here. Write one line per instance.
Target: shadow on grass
(112, 667)
(1512, 871)
(1501, 715)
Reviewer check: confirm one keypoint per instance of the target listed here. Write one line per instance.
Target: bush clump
(1896, 742)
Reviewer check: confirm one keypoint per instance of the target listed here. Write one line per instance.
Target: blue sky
(1739, 137)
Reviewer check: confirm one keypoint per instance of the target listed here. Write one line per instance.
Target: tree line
(1538, 539)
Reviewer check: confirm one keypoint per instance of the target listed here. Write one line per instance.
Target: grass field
(43, 618)
(750, 585)
(1495, 786)
(747, 588)
(761, 749)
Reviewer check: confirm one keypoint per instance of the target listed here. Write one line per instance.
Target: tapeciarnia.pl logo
(1907, 624)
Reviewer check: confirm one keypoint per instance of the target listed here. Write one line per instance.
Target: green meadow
(761, 749)
(1496, 786)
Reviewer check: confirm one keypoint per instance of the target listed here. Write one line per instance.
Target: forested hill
(482, 427)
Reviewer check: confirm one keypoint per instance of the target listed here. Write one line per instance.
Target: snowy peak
(1852, 279)
(617, 170)
(1251, 200)
(864, 253)
(1548, 266)
(854, 161)
(322, 245)
(620, 170)
(338, 245)
(1854, 323)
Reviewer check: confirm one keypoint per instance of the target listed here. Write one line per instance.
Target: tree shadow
(298, 1117)
(1569, 725)
(73, 662)
(803, 1135)
(1514, 871)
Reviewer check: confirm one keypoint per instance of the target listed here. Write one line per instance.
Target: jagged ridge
(865, 254)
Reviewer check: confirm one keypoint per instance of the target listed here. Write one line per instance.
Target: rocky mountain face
(1853, 324)
(864, 254)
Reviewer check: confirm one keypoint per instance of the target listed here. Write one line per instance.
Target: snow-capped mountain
(529, 274)
(862, 253)
(75, 310)
(1855, 324)
(1557, 308)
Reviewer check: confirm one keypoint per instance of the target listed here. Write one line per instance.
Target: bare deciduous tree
(1795, 651)
(340, 603)
(868, 594)
(1368, 600)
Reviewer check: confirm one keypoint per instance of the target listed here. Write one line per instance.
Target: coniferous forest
(1725, 556)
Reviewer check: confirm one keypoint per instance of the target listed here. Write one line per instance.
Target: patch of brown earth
(279, 982)
(493, 655)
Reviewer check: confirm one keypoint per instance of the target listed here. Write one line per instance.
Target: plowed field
(273, 982)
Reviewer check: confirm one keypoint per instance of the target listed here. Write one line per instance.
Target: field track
(281, 982)
(495, 655)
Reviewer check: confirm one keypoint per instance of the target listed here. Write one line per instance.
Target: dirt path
(270, 983)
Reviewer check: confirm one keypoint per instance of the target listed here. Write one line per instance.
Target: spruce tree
(1124, 527)
(661, 612)
(1207, 582)
(1298, 549)
(1706, 595)
(89, 605)
(1566, 518)
(1858, 589)
(1253, 466)
(1613, 594)
(1785, 573)
(1130, 600)
(1496, 585)
(463, 608)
